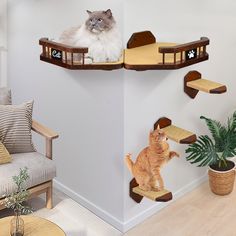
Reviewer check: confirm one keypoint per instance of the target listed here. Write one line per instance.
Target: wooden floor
(199, 213)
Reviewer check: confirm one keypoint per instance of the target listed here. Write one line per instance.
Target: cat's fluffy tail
(129, 162)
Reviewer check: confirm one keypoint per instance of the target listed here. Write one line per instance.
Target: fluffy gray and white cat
(99, 34)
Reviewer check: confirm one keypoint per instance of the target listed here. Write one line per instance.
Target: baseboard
(158, 206)
(106, 216)
(125, 226)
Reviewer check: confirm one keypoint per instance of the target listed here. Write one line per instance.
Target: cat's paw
(128, 155)
(113, 59)
(145, 187)
(161, 188)
(155, 189)
(88, 60)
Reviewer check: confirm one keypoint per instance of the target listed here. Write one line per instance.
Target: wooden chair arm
(43, 130)
(48, 134)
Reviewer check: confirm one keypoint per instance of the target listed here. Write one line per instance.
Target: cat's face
(99, 21)
(158, 135)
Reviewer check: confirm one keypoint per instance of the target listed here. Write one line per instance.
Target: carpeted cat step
(175, 133)
(138, 194)
(193, 83)
(160, 196)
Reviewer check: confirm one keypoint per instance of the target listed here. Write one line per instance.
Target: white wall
(152, 94)
(84, 107)
(102, 115)
(3, 42)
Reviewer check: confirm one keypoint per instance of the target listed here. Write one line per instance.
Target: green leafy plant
(216, 149)
(17, 199)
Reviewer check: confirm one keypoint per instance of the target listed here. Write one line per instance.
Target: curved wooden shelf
(193, 83)
(68, 55)
(175, 133)
(137, 194)
(144, 53)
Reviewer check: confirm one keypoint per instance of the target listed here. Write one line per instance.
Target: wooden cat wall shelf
(147, 181)
(193, 83)
(175, 133)
(142, 53)
(138, 194)
(63, 56)
(155, 156)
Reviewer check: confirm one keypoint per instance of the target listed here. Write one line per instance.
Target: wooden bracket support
(140, 39)
(175, 133)
(137, 194)
(193, 83)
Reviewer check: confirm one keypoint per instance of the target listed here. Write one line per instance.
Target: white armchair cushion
(40, 169)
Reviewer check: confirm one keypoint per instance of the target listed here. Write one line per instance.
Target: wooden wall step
(193, 83)
(138, 194)
(175, 133)
(160, 196)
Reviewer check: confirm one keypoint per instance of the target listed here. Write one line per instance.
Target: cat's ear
(89, 12)
(158, 127)
(108, 13)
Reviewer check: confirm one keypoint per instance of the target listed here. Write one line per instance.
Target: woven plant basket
(221, 182)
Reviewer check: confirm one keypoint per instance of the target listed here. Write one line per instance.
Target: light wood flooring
(199, 213)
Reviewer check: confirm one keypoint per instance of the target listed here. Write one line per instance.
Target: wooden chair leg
(49, 203)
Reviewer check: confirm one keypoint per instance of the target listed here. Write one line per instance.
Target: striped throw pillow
(15, 127)
(5, 157)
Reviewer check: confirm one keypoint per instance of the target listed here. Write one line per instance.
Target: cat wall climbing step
(71, 57)
(142, 53)
(137, 194)
(175, 133)
(193, 83)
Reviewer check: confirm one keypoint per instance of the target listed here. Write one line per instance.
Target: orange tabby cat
(146, 169)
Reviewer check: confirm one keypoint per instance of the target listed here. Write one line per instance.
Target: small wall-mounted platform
(193, 83)
(137, 194)
(175, 133)
(72, 57)
(144, 53)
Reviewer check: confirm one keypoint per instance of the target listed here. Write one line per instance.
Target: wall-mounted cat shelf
(175, 133)
(67, 57)
(137, 194)
(142, 53)
(193, 83)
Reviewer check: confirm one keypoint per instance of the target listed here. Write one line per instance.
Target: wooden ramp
(175, 133)
(193, 83)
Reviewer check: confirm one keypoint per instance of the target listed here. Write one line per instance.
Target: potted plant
(16, 202)
(214, 152)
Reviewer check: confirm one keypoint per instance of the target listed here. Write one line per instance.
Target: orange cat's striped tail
(129, 162)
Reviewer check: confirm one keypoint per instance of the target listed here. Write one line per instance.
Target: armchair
(41, 168)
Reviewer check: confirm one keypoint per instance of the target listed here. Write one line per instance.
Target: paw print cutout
(191, 54)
